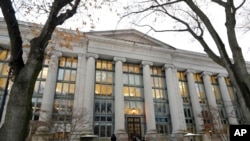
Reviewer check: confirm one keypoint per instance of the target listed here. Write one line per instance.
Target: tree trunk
(241, 81)
(19, 105)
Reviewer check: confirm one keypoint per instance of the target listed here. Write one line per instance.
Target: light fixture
(133, 110)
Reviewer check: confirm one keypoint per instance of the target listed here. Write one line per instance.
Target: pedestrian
(134, 138)
(113, 137)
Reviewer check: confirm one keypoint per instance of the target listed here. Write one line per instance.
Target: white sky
(108, 21)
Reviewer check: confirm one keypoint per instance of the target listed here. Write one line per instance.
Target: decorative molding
(92, 55)
(222, 75)
(166, 66)
(119, 59)
(190, 71)
(147, 63)
(206, 73)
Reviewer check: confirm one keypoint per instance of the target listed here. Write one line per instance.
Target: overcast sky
(108, 20)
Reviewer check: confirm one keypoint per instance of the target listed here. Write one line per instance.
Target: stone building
(127, 83)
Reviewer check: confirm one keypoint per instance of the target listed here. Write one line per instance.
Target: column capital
(81, 54)
(206, 73)
(166, 66)
(92, 55)
(189, 71)
(119, 59)
(222, 75)
(143, 63)
(54, 53)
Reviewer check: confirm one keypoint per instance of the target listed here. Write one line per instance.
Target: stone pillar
(80, 83)
(89, 94)
(48, 95)
(195, 101)
(209, 90)
(175, 102)
(119, 101)
(227, 100)
(50, 86)
(149, 103)
(79, 112)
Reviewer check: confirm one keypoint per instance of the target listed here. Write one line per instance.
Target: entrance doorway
(133, 127)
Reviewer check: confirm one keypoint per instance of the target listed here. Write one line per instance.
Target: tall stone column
(209, 90)
(195, 101)
(149, 103)
(227, 100)
(119, 100)
(89, 93)
(50, 86)
(80, 83)
(175, 102)
(79, 111)
(48, 95)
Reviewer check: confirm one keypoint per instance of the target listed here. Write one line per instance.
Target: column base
(87, 135)
(152, 135)
(41, 134)
(121, 135)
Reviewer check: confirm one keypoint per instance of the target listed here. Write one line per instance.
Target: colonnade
(84, 94)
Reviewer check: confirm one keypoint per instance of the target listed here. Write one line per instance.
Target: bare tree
(215, 123)
(63, 126)
(24, 74)
(191, 16)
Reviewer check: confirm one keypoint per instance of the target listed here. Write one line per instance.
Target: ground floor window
(103, 129)
(162, 128)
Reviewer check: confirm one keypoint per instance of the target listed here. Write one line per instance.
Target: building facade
(125, 83)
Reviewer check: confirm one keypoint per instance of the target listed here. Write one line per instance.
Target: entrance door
(134, 127)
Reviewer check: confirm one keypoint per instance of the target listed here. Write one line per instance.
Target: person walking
(113, 137)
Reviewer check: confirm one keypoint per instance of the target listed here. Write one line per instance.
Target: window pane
(109, 77)
(104, 76)
(42, 86)
(98, 76)
(73, 75)
(2, 83)
(109, 90)
(125, 78)
(65, 88)
(104, 64)
(103, 107)
(44, 74)
(5, 69)
(125, 67)
(74, 63)
(137, 80)
(132, 91)
(36, 86)
(137, 69)
(98, 64)
(138, 92)
(131, 79)
(156, 81)
(58, 87)
(62, 61)
(60, 74)
(3, 55)
(125, 91)
(103, 89)
(97, 88)
(102, 131)
(109, 131)
(110, 65)
(67, 75)
(68, 62)
(72, 88)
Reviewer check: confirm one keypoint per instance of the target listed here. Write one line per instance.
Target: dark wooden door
(133, 127)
